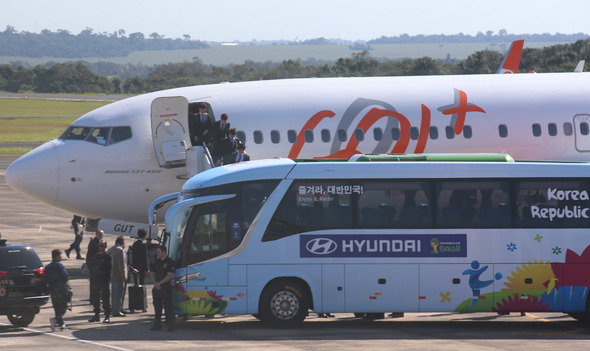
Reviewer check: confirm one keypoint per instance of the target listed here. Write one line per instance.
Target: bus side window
(394, 204)
(313, 205)
(478, 204)
(545, 204)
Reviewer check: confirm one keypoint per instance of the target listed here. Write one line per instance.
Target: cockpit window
(98, 135)
(119, 134)
(75, 133)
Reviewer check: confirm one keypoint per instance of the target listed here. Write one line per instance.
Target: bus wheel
(583, 317)
(284, 304)
(360, 315)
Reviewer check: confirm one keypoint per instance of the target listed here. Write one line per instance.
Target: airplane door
(582, 130)
(170, 130)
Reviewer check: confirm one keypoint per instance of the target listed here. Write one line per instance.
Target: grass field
(47, 107)
(15, 127)
(225, 55)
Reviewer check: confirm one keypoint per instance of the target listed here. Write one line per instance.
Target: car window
(13, 257)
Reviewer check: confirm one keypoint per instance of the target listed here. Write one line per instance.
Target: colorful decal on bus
(197, 301)
(534, 287)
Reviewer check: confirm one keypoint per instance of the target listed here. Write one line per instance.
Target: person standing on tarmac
(92, 250)
(56, 277)
(100, 274)
(161, 273)
(78, 226)
(139, 257)
(119, 276)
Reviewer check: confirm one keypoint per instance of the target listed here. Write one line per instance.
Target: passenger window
(292, 136)
(275, 136)
(242, 136)
(503, 130)
(537, 129)
(258, 137)
(568, 129)
(342, 135)
(308, 135)
(467, 132)
(326, 135)
(433, 133)
(414, 133)
(552, 129)
(377, 134)
(475, 204)
(359, 134)
(312, 205)
(99, 136)
(394, 204)
(395, 133)
(584, 128)
(450, 132)
(119, 134)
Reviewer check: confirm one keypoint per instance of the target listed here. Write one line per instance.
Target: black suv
(22, 289)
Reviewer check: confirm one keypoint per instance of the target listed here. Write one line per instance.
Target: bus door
(582, 132)
(443, 287)
(332, 287)
(381, 287)
(170, 132)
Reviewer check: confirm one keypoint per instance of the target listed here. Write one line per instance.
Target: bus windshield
(214, 228)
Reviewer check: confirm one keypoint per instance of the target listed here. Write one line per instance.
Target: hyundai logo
(321, 246)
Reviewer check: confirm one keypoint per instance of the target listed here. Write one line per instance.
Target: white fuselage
(529, 116)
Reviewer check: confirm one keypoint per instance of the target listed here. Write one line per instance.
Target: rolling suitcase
(137, 298)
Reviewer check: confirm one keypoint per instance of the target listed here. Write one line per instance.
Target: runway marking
(71, 338)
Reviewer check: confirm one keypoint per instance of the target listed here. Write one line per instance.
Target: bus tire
(582, 317)
(284, 304)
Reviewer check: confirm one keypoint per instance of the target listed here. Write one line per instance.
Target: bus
(373, 234)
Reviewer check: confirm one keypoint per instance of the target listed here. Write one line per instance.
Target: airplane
(111, 163)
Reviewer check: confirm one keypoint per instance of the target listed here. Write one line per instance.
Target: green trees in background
(78, 78)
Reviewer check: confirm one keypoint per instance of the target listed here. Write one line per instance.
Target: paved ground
(45, 228)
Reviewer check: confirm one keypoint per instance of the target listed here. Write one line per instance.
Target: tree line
(63, 44)
(78, 77)
(480, 37)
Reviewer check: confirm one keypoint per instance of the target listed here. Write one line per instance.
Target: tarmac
(24, 220)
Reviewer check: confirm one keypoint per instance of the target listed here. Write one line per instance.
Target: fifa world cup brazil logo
(434, 243)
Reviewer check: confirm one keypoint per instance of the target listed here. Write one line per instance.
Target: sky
(246, 20)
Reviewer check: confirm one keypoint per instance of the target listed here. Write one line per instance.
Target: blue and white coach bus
(415, 233)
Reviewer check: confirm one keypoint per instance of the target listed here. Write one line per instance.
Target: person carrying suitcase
(138, 257)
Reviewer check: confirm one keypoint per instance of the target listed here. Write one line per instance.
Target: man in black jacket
(199, 126)
(100, 274)
(56, 277)
(92, 250)
(139, 257)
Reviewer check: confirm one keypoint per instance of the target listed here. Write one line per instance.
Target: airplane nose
(36, 173)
